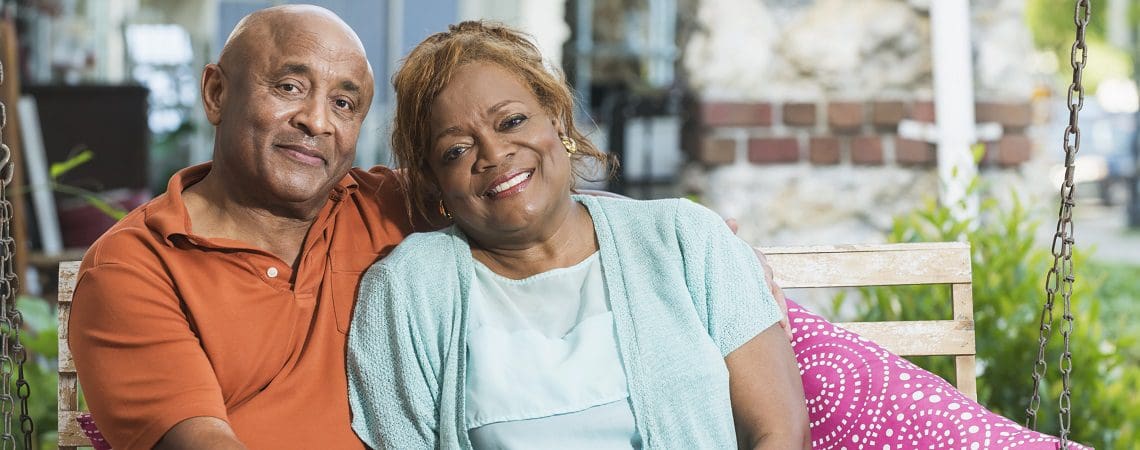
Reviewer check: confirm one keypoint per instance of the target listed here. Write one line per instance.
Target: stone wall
(799, 102)
(830, 172)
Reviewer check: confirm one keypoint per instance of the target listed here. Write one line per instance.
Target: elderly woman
(543, 319)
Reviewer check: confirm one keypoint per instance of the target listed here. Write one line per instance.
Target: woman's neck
(569, 242)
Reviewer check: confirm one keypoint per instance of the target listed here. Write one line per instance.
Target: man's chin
(304, 189)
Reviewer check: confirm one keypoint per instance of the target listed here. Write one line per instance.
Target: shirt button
(272, 272)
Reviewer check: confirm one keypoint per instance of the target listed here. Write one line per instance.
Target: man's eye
(288, 87)
(512, 122)
(344, 104)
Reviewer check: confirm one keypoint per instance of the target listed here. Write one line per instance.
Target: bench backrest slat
(870, 265)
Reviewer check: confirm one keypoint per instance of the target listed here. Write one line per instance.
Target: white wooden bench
(70, 436)
(794, 267)
(942, 263)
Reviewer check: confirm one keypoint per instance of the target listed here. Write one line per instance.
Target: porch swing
(860, 393)
(827, 353)
(837, 348)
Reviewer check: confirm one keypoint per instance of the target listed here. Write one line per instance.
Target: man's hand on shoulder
(200, 432)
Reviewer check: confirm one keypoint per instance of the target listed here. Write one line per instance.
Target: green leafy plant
(61, 168)
(1009, 271)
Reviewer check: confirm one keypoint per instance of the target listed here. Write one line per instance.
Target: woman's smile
(508, 185)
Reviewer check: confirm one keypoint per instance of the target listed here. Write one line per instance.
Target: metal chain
(7, 441)
(1060, 277)
(13, 355)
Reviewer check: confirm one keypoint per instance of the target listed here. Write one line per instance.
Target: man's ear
(213, 92)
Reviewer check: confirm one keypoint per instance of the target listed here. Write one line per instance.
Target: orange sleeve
(140, 365)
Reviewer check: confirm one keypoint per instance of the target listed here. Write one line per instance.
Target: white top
(543, 369)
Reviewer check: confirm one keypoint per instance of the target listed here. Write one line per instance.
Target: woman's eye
(512, 122)
(454, 153)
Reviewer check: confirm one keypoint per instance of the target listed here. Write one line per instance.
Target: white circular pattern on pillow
(860, 396)
(841, 392)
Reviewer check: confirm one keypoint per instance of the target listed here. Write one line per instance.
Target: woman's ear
(430, 180)
(213, 92)
(558, 126)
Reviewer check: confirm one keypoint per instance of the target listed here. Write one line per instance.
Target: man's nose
(313, 117)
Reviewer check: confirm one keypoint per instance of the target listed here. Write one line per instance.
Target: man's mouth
(304, 154)
(508, 185)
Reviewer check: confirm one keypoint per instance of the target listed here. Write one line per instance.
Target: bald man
(215, 315)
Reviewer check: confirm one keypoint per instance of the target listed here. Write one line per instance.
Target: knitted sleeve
(390, 377)
(724, 278)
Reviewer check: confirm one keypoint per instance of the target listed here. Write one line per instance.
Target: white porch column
(954, 103)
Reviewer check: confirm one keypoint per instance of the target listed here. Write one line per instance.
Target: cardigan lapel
(457, 376)
(623, 318)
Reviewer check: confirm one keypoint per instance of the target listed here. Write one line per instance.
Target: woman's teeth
(512, 182)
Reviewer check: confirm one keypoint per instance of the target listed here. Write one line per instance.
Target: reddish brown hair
(430, 66)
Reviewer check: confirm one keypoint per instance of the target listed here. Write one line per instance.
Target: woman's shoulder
(419, 253)
(668, 210)
(621, 206)
(398, 280)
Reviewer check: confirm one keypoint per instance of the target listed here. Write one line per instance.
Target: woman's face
(497, 156)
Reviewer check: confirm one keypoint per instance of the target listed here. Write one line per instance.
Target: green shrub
(1009, 273)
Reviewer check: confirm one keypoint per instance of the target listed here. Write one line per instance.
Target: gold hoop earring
(443, 210)
(569, 143)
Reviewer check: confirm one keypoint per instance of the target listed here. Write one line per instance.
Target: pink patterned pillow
(860, 396)
(87, 424)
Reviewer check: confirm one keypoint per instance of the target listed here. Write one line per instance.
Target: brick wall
(843, 133)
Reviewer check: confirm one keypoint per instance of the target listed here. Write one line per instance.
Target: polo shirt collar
(167, 215)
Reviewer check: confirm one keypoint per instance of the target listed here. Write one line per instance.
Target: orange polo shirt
(167, 325)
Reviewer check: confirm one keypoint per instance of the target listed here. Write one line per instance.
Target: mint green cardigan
(685, 292)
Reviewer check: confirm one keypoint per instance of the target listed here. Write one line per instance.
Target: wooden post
(10, 95)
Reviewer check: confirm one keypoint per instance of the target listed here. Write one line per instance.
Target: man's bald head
(279, 24)
(287, 98)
